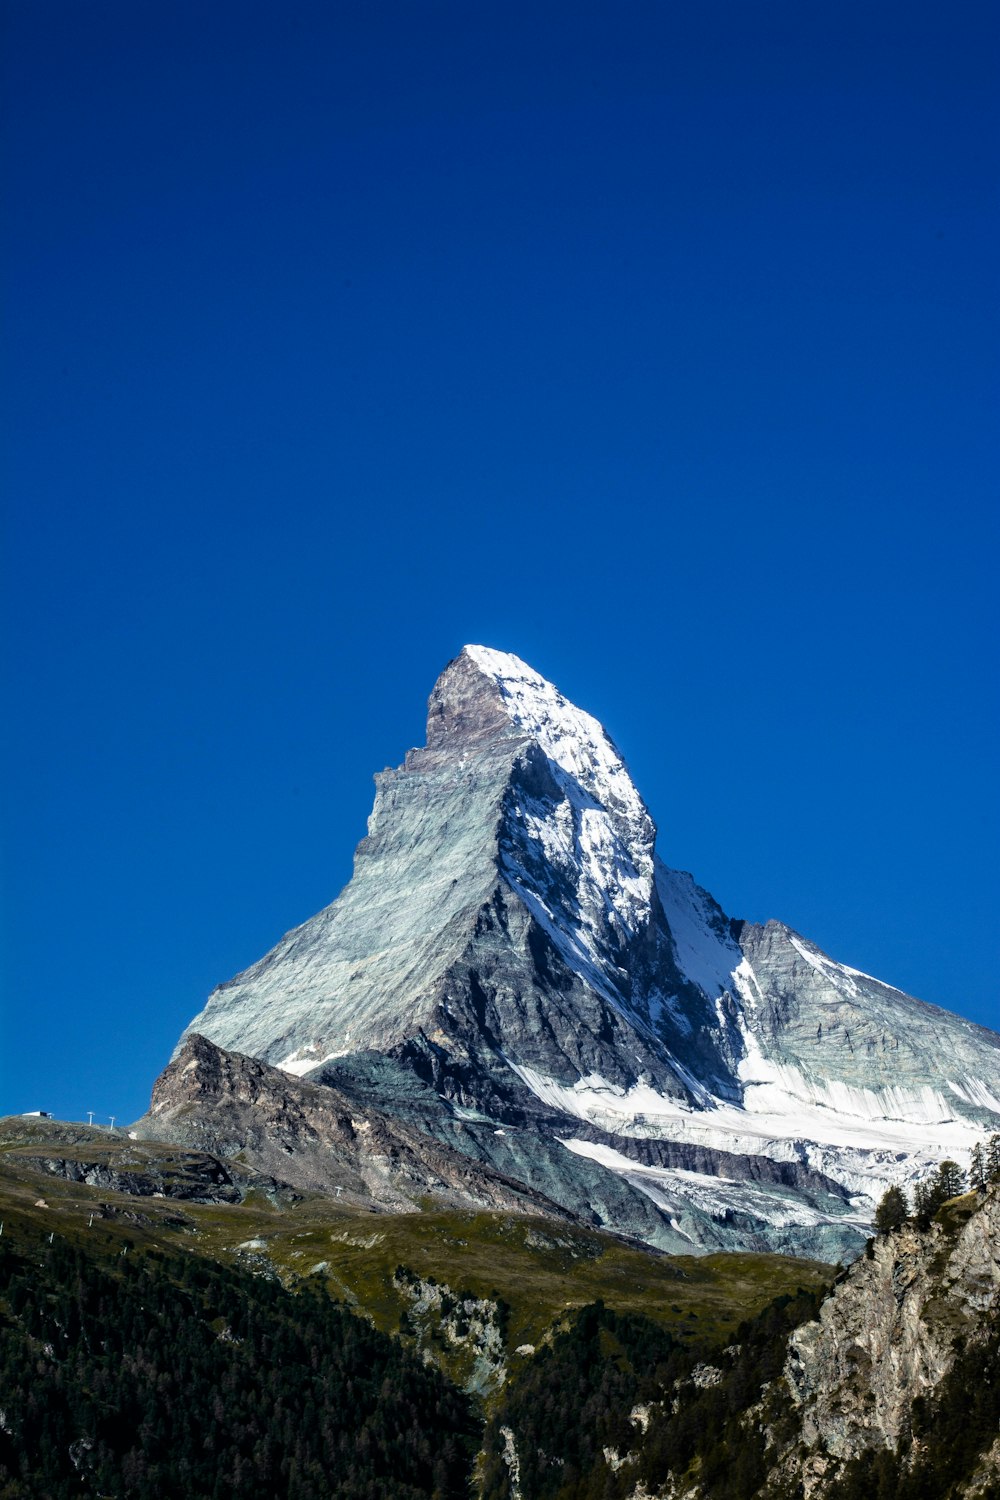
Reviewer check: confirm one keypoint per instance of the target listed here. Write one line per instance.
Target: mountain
(512, 956)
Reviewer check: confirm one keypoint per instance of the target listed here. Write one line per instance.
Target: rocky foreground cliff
(899, 1350)
(888, 1386)
(893, 1389)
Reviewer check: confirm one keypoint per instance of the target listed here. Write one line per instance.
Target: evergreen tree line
(949, 1181)
(572, 1406)
(162, 1376)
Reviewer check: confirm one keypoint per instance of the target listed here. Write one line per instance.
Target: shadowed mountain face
(511, 940)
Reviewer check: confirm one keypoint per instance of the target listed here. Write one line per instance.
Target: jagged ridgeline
(514, 977)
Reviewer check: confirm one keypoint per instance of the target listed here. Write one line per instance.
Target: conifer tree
(927, 1199)
(993, 1159)
(892, 1212)
(951, 1180)
(977, 1168)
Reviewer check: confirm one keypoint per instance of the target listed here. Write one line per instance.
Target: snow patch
(676, 1190)
(580, 855)
(973, 1091)
(573, 739)
(303, 1060)
(862, 1140)
(594, 1099)
(704, 950)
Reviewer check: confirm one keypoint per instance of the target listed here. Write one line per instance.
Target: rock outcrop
(888, 1334)
(197, 1178)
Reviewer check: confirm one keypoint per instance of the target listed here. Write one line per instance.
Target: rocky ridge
(314, 1138)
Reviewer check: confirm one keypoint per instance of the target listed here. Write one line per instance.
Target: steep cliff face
(887, 1336)
(503, 911)
(511, 937)
(366, 971)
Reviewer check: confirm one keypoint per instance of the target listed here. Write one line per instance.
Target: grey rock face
(199, 1179)
(832, 1021)
(512, 940)
(887, 1335)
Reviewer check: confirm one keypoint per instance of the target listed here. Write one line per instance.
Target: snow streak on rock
(578, 846)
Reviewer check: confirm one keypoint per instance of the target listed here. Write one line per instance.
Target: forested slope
(169, 1375)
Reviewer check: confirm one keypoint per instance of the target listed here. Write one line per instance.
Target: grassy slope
(540, 1268)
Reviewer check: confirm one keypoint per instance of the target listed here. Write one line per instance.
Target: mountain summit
(588, 1021)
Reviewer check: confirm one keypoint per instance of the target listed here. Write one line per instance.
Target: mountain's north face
(587, 1021)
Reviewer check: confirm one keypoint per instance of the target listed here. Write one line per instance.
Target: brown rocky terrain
(315, 1138)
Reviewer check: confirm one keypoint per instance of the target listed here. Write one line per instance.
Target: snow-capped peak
(581, 858)
(574, 740)
(507, 926)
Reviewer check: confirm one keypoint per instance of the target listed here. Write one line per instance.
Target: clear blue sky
(656, 343)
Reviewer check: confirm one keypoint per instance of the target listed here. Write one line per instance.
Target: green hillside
(542, 1269)
(298, 1347)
